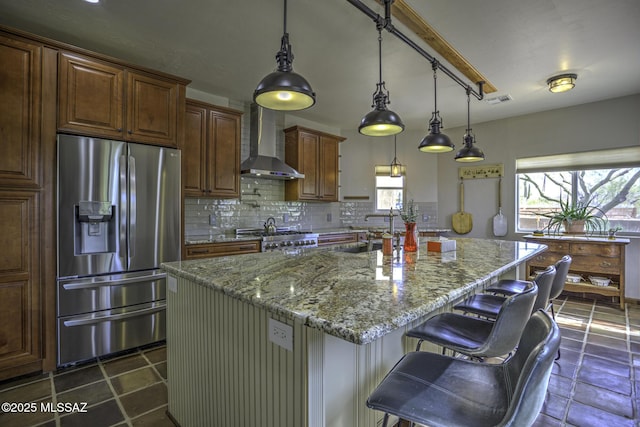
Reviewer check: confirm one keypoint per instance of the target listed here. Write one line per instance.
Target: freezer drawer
(84, 295)
(97, 334)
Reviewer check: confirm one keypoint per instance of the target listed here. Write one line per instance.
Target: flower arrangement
(409, 213)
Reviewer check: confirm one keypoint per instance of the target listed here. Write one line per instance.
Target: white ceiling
(226, 47)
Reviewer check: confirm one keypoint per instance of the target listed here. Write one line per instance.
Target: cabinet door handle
(119, 129)
(249, 247)
(605, 264)
(130, 132)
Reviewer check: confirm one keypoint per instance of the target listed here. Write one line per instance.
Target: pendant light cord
(285, 17)
(395, 154)
(379, 53)
(434, 65)
(468, 112)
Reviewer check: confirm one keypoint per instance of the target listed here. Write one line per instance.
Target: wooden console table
(592, 256)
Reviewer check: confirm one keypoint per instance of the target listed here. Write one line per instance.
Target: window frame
(385, 171)
(574, 174)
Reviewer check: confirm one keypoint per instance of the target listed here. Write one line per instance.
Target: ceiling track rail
(385, 22)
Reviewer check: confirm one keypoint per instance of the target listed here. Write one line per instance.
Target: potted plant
(409, 215)
(612, 232)
(578, 219)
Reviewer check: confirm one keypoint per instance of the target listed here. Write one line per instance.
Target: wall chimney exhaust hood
(262, 161)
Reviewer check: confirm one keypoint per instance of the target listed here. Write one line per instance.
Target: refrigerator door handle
(122, 237)
(90, 284)
(94, 320)
(132, 206)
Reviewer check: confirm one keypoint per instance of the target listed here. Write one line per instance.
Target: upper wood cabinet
(211, 151)
(111, 101)
(315, 154)
(20, 83)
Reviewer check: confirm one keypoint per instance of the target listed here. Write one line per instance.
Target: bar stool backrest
(509, 324)
(544, 281)
(529, 369)
(562, 269)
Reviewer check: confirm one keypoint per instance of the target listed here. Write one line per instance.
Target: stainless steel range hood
(262, 161)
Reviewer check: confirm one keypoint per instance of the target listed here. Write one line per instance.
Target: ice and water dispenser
(95, 227)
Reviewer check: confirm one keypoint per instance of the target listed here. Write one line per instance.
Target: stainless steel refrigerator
(118, 220)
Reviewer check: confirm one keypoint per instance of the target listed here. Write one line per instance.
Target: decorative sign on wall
(481, 171)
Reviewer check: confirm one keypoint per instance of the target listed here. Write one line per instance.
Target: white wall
(607, 124)
(360, 154)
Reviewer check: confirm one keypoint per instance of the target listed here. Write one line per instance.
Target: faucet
(390, 215)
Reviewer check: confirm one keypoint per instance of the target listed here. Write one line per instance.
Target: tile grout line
(54, 398)
(632, 371)
(127, 420)
(574, 380)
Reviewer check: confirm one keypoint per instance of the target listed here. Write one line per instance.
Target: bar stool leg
(553, 315)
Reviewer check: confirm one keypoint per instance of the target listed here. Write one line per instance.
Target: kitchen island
(301, 338)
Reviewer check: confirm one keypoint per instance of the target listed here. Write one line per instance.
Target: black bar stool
(479, 338)
(438, 390)
(488, 305)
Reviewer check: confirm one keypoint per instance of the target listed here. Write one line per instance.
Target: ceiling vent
(498, 99)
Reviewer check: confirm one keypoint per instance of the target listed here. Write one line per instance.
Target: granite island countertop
(358, 297)
(232, 237)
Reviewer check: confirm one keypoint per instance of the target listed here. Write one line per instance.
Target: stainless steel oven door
(91, 335)
(88, 294)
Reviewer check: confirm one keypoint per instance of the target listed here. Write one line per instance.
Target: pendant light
(469, 153)
(435, 142)
(380, 121)
(396, 167)
(283, 89)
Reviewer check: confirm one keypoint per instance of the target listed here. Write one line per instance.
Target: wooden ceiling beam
(414, 22)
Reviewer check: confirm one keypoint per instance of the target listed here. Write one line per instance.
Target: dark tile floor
(129, 390)
(593, 384)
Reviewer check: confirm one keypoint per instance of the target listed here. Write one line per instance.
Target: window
(389, 191)
(607, 179)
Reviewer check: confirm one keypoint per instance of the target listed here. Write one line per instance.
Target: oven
(282, 238)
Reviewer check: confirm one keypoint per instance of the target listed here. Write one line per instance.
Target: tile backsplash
(263, 198)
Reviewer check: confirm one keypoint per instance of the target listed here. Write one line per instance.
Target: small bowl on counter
(599, 281)
(574, 278)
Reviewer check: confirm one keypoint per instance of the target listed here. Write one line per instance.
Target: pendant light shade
(284, 89)
(469, 153)
(380, 121)
(396, 167)
(435, 142)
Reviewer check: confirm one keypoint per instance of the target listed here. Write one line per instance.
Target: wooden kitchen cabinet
(20, 91)
(107, 100)
(209, 250)
(337, 238)
(211, 151)
(27, 180)
(20, 283)
(315, 154)
(591, 256)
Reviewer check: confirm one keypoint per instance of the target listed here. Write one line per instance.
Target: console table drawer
(596, 264)
(612, 251)
(545, 259)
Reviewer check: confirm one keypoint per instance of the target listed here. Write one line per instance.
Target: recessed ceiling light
(92, 1)
(562, 83)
